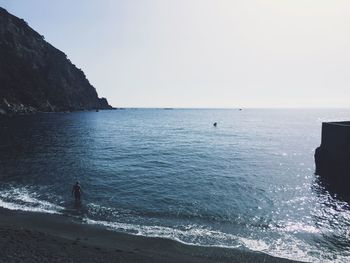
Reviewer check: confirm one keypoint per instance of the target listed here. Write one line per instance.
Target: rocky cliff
(332, 158)
(35, 76)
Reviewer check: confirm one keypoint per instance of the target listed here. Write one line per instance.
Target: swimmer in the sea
(77, 191)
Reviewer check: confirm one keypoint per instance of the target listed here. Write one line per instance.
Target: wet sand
(36, 237)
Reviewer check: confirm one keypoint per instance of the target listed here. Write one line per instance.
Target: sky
(203, 53)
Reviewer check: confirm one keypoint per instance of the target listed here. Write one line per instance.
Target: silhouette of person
(76, 191)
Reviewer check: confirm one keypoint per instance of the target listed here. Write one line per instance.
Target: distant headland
(35, 76)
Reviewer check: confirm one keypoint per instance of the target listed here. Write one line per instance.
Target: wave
(25, 200)
(284, 245)
(287, 246)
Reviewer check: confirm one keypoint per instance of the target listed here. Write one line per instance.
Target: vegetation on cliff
(35, 76)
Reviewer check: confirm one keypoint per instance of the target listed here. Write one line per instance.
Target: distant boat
(215, 124)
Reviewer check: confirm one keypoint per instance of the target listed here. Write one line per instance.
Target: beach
(174, 131)
(144, 174)
(36, 237)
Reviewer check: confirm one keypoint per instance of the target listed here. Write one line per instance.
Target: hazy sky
(203, 53)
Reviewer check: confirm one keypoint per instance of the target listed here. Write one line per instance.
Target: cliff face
(332, 158)
(35, 76)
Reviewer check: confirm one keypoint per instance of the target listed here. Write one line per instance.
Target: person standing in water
(76, 191)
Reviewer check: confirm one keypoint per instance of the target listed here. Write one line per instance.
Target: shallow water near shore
(248, 183)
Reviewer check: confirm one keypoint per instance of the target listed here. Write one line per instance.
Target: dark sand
(36, 237)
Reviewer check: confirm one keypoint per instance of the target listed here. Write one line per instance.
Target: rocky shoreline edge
(11, 109)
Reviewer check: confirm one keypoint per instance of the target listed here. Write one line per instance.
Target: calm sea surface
(248, 183)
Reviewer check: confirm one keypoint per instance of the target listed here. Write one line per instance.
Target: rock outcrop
(35, 76)
(332, 158)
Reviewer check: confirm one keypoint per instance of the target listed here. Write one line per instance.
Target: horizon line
(226, 108)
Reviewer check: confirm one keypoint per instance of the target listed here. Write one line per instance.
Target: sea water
(248, 183)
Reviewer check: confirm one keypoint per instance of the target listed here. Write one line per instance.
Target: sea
(247, 183)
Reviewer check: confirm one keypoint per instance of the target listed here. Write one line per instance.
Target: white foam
(288, 246)
(24, 200)
(189, 235)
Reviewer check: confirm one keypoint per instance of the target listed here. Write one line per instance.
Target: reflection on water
(248, 183)
(333, 218)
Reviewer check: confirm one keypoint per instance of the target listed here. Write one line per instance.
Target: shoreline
(30, 111)
(33, 237)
